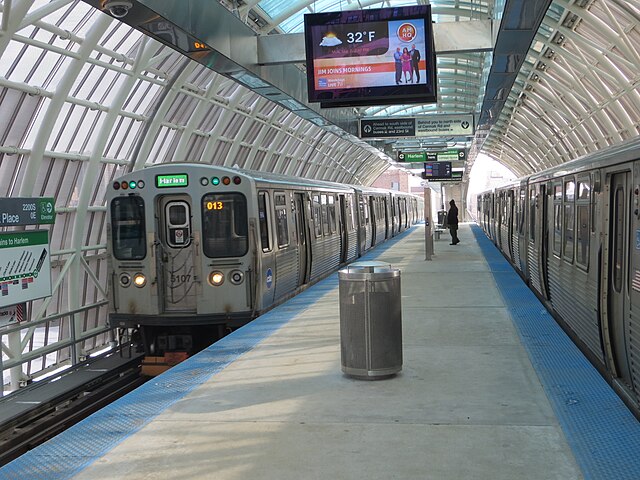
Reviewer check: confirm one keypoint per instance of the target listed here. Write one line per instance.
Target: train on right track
(573, 234)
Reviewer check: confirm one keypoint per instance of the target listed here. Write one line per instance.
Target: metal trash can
(370, 320)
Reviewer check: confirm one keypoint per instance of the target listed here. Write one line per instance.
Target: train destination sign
(25, 266)
(423, 126)
(21, 211)
(173, 180)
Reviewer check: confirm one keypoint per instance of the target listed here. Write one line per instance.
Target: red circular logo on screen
(407, 32)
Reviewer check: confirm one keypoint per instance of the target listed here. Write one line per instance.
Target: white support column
(145, 51)
(12, 16)
(17, 375)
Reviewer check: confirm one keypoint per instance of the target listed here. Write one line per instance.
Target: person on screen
(452, 222)
(415, 62)
(397, 56)
(406, 65)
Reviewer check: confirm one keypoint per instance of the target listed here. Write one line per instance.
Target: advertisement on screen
(361, 56)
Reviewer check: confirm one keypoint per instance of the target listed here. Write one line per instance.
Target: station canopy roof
(86, 97)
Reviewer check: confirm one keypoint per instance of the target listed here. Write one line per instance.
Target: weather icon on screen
(330, 40)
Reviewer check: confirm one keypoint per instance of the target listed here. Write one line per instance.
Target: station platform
(491, 388)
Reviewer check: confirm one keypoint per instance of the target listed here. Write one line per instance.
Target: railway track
(40, 411)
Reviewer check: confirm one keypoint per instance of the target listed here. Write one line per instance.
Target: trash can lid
(370, 266)
(368, 270)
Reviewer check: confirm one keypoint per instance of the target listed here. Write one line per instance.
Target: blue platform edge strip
(78, 447)
(601, 431)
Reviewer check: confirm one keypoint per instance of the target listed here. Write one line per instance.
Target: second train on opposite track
(573, 234)
(197, 250)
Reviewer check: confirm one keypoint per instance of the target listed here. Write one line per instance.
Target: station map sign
(424, 126)
(25, 266)
(20, 211)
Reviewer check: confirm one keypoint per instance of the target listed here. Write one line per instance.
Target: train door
(362, 223)
(301, 212)
(510, 210)
(387, 233)
(543, 235)
(373, 217)
(344, 235)
(175, 259)
(616, 302)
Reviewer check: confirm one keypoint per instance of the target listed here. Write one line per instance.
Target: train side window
(224, 225)
(533, 204)
(264, 221)
(282, 224)
(522, 209)
(618, 238)
(317, 215)
(568, 221)
(364, 213)
(325, 215)
(128, 232)
(583, 217)
(331, 210)
(350, 212)
(557, 219)
(178, 224)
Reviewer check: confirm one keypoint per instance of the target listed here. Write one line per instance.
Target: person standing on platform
(452, 222)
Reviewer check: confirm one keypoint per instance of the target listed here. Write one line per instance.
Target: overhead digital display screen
(370, 57)
(435, 170)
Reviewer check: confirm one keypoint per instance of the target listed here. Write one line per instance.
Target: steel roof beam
(449, 38)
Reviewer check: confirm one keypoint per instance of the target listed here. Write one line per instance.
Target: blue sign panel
(269, 277)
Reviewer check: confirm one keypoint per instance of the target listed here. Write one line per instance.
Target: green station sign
(22, 211)
(458, 154)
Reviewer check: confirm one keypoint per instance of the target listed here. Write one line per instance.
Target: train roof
(279, 178)
(623, 152)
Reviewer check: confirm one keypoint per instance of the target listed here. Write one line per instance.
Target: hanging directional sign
(423, 126)
(21, 211)
(453, 155)
(447, 156)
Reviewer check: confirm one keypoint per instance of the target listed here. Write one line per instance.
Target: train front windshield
(128, 228)
(224, 225)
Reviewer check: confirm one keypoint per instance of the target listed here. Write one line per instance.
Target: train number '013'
(215, 205)
(180, 279)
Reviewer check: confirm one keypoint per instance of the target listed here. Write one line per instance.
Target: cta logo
(407, 32)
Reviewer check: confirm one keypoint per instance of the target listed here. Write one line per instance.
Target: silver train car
(573, 233)
(197, 250)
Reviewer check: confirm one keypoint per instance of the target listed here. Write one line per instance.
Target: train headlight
(216, 278)
(125, 279)
(236, 277)
(139, 280)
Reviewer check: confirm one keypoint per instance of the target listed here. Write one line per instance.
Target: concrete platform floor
(467, 404)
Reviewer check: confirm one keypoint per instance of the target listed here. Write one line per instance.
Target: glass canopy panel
(290, 15)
